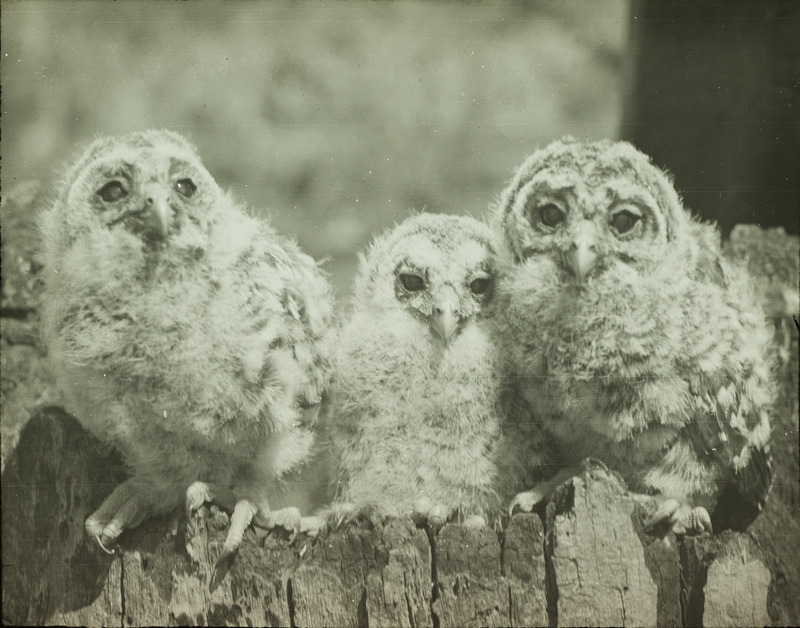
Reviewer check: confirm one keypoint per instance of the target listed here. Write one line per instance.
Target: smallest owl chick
(415, 426)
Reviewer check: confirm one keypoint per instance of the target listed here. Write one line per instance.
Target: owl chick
(415, 426)
(187, 334)
(634, 341)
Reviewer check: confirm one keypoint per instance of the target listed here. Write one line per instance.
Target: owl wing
(731, 428)
(286, 307)
(730, 434)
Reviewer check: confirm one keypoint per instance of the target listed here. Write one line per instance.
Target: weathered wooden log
(585, 560)
(589, 563)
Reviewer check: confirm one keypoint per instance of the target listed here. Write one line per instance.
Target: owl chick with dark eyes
(186, 334)
(632, 339)
(415, 426)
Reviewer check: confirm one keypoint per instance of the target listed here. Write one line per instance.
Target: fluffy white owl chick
(633, 340)
(415, 423)
(186, 333)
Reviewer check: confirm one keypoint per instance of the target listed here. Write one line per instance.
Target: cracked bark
(587, 561)
(605, 570)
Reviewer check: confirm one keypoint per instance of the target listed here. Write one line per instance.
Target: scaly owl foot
(436, 515)
(290, 520)
(425, 512)
(528, 500)
(244, 513)
(124, 508)
(683, 517)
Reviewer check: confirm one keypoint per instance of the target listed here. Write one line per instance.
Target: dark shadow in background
(715, 98)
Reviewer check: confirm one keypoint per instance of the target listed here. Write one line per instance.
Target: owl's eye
(480, 285)
(551, 215)
(112, 191)
(186, 187)
(412, 283)
(623, 221)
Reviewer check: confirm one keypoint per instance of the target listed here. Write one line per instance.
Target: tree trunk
(585, 560)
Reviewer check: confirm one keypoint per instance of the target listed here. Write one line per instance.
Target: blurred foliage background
(336, 119)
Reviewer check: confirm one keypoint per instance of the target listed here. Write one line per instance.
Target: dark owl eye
(112, 191)
(623, 221)
(551, 215)
(412, 283)
(186, 187)
(480, 285)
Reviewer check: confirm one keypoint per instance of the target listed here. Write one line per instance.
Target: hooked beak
(157, 214)
(582, 256)
(445, 317)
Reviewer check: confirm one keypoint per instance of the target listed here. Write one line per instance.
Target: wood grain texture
(597, 559)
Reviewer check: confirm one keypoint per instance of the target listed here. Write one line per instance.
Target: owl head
(438, 269)
(592, 207)
(149, 187)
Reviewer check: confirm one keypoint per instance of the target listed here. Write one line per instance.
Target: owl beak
(582, 256)
(445, 317)
(157, 211)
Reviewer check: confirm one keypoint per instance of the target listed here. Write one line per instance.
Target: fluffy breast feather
(622, 355)
(214, 344)
(412, 419)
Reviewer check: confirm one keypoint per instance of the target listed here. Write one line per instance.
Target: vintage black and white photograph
(415, 313)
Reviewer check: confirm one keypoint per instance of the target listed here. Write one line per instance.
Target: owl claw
(287, 518)
(695, 522)
(525, 502)
(222, 567)
(528, 500)
(197, 494)
(102, 545)
(665, 510)
(683, 518)
(425, 512)
(124, 508)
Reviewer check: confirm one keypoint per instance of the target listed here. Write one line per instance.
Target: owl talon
(525, 502)
(222, 567)
(702, 520)
(123, 509)
(695, 522)
(528, 500)
(425, 512)
(665, 510)
(287, 518)
(684, 518)
(197, 494)
(103, 547)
